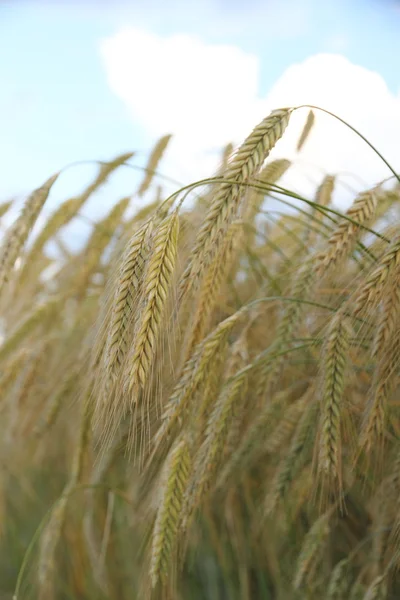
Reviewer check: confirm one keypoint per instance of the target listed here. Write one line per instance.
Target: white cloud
(208, 95)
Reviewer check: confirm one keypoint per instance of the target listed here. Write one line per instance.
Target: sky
(85, 81)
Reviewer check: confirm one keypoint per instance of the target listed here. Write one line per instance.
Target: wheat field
(202, 402)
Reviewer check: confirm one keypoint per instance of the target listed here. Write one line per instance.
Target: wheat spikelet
(126, 296)
(388, 320)
(306, 130)
(102, 233)
(334, 364)
(156, 287)
(374, 286)
(250, 443)
(62, 216)
(323, 197)
(286, 425)
(33, 320)
(154, 160)
(55, 405)
(106, 169)
(271, 370)
(52, 532)
(374, 419)
(357, 591)
(311, 549)
(339, 244)
(378, 589)
(339, 582)
(211, 286)
(176, 475)
(293, 459)
(244, 165)
(4, 207)
(194, 374)
(11, 368)
(19, 232)
(269, 174)
(47, 552)
(325, 191)
(226, 155)
(211, 450)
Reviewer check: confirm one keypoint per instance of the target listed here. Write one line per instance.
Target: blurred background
(84, 81)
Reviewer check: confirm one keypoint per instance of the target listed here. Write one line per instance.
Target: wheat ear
(212, 285)
(155, 157)
(306, 130)
(334, 360)
(311, 550)
(156, 287)
(243, 166)
(210, 453)
(340, 242)
(339, 582)
(377, 589)
(126, 296)
(19, 232)
(176, 475)
(373, 426)
(194, 374)
(374, 287)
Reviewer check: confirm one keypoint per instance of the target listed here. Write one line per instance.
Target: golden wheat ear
(334, 361)
(309, 124)
(156, 288)
(154, 160)
(168, 519)
(19, 232)
(127, 293)
(244, 165)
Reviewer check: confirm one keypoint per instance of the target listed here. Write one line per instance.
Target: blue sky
(57, 105)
